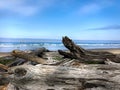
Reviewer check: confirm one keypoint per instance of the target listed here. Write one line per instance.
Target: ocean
(7, 45)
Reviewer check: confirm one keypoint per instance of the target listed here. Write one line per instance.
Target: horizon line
(54, 39)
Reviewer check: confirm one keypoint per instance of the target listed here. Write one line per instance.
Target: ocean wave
(52, 46)
(25, 45)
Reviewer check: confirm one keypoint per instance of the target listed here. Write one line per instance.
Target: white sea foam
(54, 45)
(12, 45)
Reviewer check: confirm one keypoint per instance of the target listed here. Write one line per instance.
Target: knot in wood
(19, 72)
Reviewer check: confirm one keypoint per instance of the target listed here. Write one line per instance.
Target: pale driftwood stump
(45, 77)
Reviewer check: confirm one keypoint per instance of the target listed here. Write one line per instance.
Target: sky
(53, 19)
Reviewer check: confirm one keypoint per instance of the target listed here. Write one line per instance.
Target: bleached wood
(46, 77)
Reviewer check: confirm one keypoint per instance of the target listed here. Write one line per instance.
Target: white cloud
(110, 27)
(25, 7)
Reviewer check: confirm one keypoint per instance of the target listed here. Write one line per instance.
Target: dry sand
(3, 54)
(114, 51)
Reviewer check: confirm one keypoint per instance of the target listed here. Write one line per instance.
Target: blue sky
(52, 19)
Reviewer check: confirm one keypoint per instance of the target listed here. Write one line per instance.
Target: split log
(45, 77)
(77, 52)
(27, 56)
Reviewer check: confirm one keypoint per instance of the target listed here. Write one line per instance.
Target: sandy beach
(114, 51)
(3, 54)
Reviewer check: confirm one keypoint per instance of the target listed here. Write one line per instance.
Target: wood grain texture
(46, 77)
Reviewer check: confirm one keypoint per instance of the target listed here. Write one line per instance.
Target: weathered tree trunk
(77, 52)
(45, 77)
(27, 56)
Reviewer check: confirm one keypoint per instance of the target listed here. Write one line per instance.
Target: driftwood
(17, 62)
(28, 56)
(3, 87)
(3, 67)
(3, 79)
(40, 52)
(66, 76)
(45, 77)
(77, 52)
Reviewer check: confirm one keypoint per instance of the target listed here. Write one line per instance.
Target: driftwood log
(46, 77)
(86, 56)
(28, 56)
